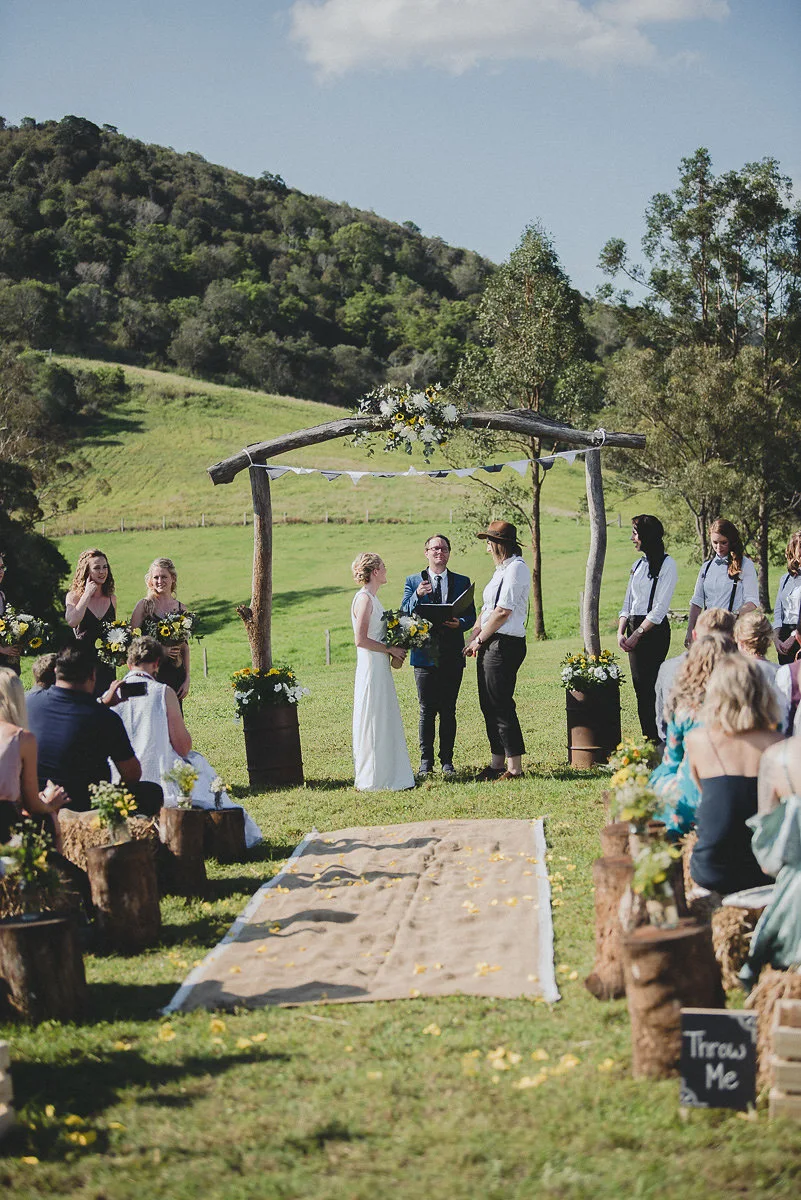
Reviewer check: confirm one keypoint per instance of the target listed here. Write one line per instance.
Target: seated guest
(19, 790)
(672, 779)
(158, 733)
(711, 620)
(753, 634)
(44, 673)
(76, 735)
(739, 717)
(776, 843)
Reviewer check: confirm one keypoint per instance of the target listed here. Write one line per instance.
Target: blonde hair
(739, 697)
(165, 564)
(715, 620)
(82, 573)
(12, 699)
(365, 566)
(753, 632)
(687, 693)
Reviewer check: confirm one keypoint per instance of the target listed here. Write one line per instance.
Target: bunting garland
(520, 465)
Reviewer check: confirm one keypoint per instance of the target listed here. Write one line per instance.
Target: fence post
(328, 647)
(164, 522)
(245, 517)
(202, 520)
(367, 516)
(205, 663)
(451, 516)
(122, 524)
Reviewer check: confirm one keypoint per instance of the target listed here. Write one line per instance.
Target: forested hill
(110, 247)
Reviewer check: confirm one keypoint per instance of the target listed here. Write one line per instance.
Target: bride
(379, 743)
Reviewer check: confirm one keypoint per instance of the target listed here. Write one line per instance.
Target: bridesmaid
(787, 613)
(161, 580)
(9, 655)
(89, 602)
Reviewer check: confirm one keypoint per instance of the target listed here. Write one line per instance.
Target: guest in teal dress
(672, 780)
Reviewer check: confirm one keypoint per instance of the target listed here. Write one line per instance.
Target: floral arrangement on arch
(22, 630)
(416, 418)
(174, 629)
(408, 632)
(114, 642)
(578, 672)
(261, 689)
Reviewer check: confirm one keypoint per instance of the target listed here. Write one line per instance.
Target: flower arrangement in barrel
(255, 689)
(581, 671)
(421, 418)
(22, 631)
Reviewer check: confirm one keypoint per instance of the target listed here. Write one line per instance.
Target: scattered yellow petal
(29, 1159)
(557, 902)
(493, 902)
(570, 867)
(420, 969)
(528, 872)
(500, 1064)
(216, 1025)
(234, 970)
(243, 1043)
(166, 1033)
(432, 1030)
(349, 1049)
(426, 899)
(563, 968)
(414, 993)
(217, 1041)
(540, 1055)
(258, 1037)
(533, 978)
(512, 901)
(513, 1058)
(437, 966)
(375, 1074)
(530, 1081)
(121, 1045)
(261, 950)
(573, 975)
(569, 1061)
(608, 1064)
(275, 929)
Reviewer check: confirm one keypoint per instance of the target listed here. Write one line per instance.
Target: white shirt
(513, 578)
(432, 579)
(713, 586)
(788, 601)
(638, 592)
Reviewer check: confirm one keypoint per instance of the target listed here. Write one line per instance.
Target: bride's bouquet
(407, 632)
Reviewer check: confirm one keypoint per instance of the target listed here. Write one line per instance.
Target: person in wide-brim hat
(499, 643)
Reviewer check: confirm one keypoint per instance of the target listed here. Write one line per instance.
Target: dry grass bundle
(772, 987)
(82, 830)
(731, 939)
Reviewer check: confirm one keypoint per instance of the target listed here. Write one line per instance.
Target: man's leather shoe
(489, 773)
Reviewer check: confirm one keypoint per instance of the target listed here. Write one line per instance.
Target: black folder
(437, 613)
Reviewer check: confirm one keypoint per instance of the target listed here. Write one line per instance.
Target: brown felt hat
(500, 531)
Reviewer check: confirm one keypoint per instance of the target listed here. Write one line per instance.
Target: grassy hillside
(146, 462)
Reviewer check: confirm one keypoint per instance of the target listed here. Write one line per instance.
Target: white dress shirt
(638, 592)
(714, 584)
(432, 579)
(513, 578)
(788, 601)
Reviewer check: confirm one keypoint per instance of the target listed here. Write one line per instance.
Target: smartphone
(133, 687)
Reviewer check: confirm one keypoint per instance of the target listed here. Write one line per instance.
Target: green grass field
(356, 1102)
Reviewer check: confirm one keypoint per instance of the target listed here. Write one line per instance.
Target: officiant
(438, 675)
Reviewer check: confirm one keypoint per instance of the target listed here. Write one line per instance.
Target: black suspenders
(733, 586)
(653, 586)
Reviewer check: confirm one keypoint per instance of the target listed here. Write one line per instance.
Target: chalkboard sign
(718, 1058)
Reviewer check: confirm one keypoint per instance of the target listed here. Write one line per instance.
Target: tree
(724, 274)
(532, 355)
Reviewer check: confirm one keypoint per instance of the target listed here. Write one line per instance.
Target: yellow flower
(35, 643)
(216, 1025)
(166, 1033)
(30, 1160)
(432, 1030)
(73, 1119)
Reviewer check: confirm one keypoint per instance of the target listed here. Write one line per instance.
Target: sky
(471, 118)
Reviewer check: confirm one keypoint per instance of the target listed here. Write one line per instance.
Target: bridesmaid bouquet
(409, 633)
(114, 641)
(23, 631)
(174, 629)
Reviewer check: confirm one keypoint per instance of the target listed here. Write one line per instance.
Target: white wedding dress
(145, 721)
(379, 743)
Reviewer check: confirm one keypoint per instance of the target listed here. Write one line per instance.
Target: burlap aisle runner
(388, 912)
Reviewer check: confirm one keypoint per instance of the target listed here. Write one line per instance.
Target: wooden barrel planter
(125, 895)
(182, 831)
(666, 970)
(41, 970)
(593, 724)
(224, 835)
(272, 746)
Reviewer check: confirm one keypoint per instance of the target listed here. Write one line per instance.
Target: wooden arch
(258, 616)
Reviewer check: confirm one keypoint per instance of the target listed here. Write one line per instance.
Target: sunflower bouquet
(23, 631)
(114, 641)
(407, 632)
(173, 629)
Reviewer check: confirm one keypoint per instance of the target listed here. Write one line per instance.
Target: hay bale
(82, 830)
(687, 847)
(772, 987)
(732, 929)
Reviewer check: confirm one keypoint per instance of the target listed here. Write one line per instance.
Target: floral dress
(672, 780)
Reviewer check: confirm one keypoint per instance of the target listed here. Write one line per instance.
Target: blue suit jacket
(451, 641)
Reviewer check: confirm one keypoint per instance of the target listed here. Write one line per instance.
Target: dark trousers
(497, 666)
(437, 691)
(149, 797)
(784, 633)
(645, 662)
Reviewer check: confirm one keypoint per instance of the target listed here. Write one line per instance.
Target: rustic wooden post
(597, 554)
(125, 894)
(182, 831)
(258, 618)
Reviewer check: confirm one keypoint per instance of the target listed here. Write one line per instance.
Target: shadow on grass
(574, 775)
(214, 615)
(287, 600)
(107, 429)
(317, 1139)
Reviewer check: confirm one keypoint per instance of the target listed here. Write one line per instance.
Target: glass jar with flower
(184, 776)
(653, 867)
(592, 699)
(113, 804)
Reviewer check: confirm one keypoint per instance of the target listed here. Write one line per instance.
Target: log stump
(125, 895)
(615, 839)
(224, 837)
(41, 970)
(611, 876)
(666, 970)
(182, 830)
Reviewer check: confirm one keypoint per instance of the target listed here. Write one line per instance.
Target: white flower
(450, 414)
(428, 434)
(599, 673)
(385, 408)
(418, 400)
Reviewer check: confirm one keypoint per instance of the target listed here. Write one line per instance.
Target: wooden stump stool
(666, 970)
(181, 830)
(615, 839)
(41, 970)
(125, 894)
(611, 876)
(224, 837)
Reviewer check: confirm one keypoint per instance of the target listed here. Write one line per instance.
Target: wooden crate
(787, 1030)
(783, 1104)
(785, 1074)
